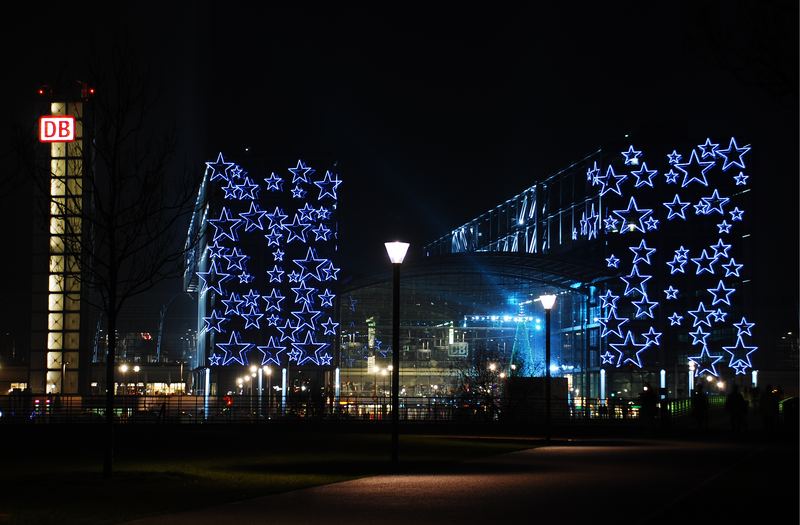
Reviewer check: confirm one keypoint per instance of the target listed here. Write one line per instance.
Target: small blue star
(326, 298)
(671, 177)
(721, 294)
(213, 323)
(705, 264)
(610, 223)
(613, 262)
(278, 255)
(642, 252)
(676, 208)
(699, 336)
(652, 337)
(297, 176)
(298, 192)
(708, 149)
(644, 177)
(644, 307)
(275, 274)
(609, 300)
(675, 319)
(329, 327)
(674, 157)
(676, 265)
(743, 327)
(732, 268)
(733, 150)
(720, 249)
(724, 227)
(213, 360)
(327, 186)
(219, 168)
(672, 293)
(741, 179)
(273, 182)
(736, 214)
(714, 203)
(698, 167)
(681, 253)
(631, 156)
(607, 357)
(701, 316)
(651, 223)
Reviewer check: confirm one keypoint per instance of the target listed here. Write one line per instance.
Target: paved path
(626, 482)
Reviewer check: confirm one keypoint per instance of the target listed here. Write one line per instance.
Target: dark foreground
(319, 474)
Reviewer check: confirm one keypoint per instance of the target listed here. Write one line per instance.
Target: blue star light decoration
(267, 270)
(700, 203)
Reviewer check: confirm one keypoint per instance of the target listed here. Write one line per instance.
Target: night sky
(436, 116)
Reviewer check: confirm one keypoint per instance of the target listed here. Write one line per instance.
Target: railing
(244, 408)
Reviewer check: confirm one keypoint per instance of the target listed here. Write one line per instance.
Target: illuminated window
(58, 150)
(58, 168)
(58, 108)
(57, 206)
(73, 321)
(57, 187)
(72, 341)
(56, 283)
(56, 245)
(74, 186)
(56, 263)
(73, 302)
(55, 341)
(55, 321)
(56, 302)
(75, 149)
(54, 359)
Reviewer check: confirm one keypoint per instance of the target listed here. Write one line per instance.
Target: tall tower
(60, 346)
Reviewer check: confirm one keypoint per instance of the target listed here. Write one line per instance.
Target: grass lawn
(49, 479)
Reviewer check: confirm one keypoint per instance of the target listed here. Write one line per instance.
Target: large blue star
(676, 208)
(609, 300)
(304, 294)
(273, 182)
(297, 230)
(720, 249)
(697, 167)
(213, 279)
(612, 324)
(275, 274)
(629, 350)
(327, 186)
(705, 264)
(632, 217)
(644, 307)
(631, 156)
(308, 349)
(273, 300)
(287, 331)
(706, 362)
(253, 318)
(733, 150)
(253, 217)
(611, 181)
(701, 316)
(329, 326)
(232, 304)
(236, 259)
(271, 352)
(235, 350)
(634, 282)
(311, 266)
(642, 252)
(721, 294)
(213, 323)
(300, 172)
(306, 317)
(225, 226)
(248, 189)
(644, 177)
(219, 168)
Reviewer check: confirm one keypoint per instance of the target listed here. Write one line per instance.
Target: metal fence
(253, 409)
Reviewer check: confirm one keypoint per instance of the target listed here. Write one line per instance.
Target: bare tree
(134, 205)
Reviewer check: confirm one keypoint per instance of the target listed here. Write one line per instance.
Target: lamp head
(397, 251)
(547, 301)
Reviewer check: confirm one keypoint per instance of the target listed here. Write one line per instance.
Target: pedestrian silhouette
(736, 407)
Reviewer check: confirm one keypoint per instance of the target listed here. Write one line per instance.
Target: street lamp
(397, 252)
(124, 369)
(547, 302)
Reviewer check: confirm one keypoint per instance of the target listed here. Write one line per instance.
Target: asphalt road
(583, 482)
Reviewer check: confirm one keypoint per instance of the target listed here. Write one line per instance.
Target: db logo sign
(56, 129)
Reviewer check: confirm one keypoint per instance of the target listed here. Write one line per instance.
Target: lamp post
(397, 252)
(547, 302)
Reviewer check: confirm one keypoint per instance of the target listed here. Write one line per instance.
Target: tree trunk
(108, 462)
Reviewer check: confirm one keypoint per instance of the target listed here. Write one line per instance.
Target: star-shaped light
(213, 279)
(697, 167)
(236, 259)
(273, 320)
(652, 337)
(213, 360)
(634, 282)
(300, 172)
(298, 192)
(708, 149)
(610, 223)
(308, 349)
(642, 252)
(251, 298)
(705, 264)
(273, 237)
(607, 357)
(609, 300)
(304, 294)
(232, 304)
(674, 157)
(297, 230)
(225, 226)
(306, 317)
(592, 173)
(644, 307)
(271, 352)
(671, 177)
(325, 359)
(631, 156)
(253, 217)
(329, 326)
(741, 179)
(644, 177)
(699, 336)
(701, 208)
(273, 300)
(672, 293)
(245, 278)
(213, 323)
(275, 274)
(705, 362)
(721, 294)
(613, 262)
(676, 208)
(736, 214)
(273, 182)
(611, 181)
(612, 324)
(681, 253)
(323, 213)
(236, 171)
(675, 319)
(701, 316)
(632, 217)
(215, 251)
(287, 331)
(311, 266)
(252, 319)
(733, 155)
(276, 218)
(321, 232)
(651, 223)
(327, 186)
(714, 203)
(235, 350)
(743, 327)
(219, 168)
(293, 276)
(277, 255)
(248, 189)
(720, 249)
(719, 315)
(232, 191)
(331, 272)
(724, 227)
(326, 298)
(629, 350)
(676, 265)
(732, 268)
(307, 213)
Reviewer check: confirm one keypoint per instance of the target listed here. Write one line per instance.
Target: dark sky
(435, 116)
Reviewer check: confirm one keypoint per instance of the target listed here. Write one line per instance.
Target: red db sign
(56, 129)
